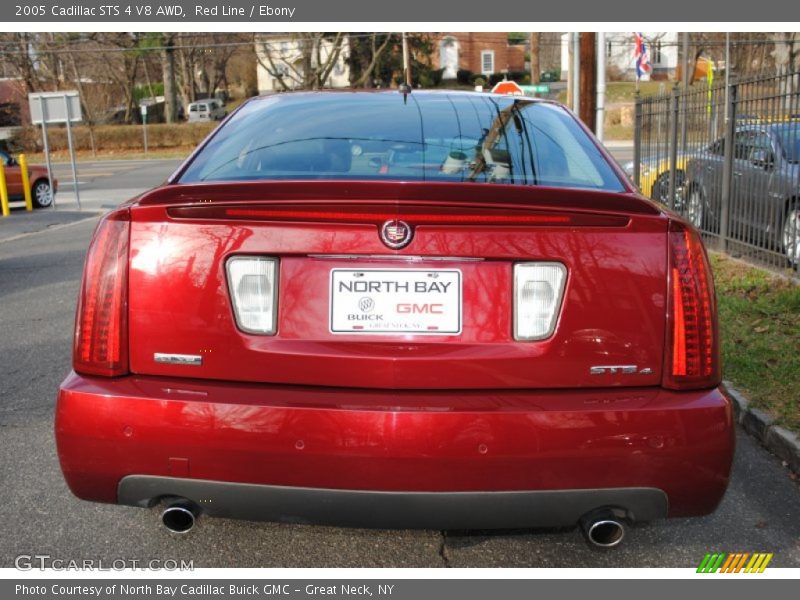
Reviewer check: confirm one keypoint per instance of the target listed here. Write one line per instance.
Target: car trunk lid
(611, 315)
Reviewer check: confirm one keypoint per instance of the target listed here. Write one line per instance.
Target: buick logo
(396, 234)
(366, 304)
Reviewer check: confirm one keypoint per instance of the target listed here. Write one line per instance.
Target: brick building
(13, 102)
(482, 53)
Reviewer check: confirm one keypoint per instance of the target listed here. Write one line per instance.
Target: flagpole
(636, 52)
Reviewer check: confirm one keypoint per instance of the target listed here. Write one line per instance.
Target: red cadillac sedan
(431, 310)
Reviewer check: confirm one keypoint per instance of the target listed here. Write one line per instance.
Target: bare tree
(168, 75)
(303, 60)
(371, 60)
(20, 59)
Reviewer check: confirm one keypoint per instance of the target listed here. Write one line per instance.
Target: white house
(662, 46)
(280, 54)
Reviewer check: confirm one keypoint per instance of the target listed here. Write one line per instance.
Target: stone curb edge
(781, 442)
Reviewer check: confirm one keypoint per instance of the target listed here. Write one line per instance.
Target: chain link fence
(727, 157)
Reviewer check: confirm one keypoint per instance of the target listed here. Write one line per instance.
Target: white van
(209, 109)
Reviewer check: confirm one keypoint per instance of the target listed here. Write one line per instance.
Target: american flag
(641, 56)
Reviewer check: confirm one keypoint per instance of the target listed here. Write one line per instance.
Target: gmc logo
(420, 309)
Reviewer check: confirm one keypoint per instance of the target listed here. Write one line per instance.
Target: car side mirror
(762, 158)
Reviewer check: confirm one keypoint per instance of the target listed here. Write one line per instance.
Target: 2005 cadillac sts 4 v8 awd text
(433, 310)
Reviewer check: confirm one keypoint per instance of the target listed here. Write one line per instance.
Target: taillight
(252, 282)
(538, 289)
(101, 324)
(692, 350)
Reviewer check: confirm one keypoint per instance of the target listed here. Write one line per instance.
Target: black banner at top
(412, 11)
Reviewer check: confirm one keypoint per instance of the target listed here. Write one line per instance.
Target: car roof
(394, 92)
(792, 124)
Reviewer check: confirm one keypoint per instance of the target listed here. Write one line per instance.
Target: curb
(781, 442)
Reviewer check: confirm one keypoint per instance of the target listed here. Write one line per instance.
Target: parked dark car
(765, 190)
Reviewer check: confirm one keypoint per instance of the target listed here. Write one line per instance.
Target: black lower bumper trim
(393, 510)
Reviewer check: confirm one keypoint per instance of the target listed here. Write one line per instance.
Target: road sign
(49, 108)
(143, 108)
(508, 87)
(539, 88)
(55, 106)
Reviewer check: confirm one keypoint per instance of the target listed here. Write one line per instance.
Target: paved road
(104, 184)
(39, 276)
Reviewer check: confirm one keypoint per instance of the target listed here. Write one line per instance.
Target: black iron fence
(727, 157)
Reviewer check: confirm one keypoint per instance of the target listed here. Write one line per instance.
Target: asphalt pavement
(102, 185)
(39, 276)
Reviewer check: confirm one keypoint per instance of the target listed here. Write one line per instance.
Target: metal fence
(727, 157)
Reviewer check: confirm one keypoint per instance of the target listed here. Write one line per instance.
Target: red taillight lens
(101, 324)
(692, 356)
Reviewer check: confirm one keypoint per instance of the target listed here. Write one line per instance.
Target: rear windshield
(424, 137)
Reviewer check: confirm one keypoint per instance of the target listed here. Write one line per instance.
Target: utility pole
(601, 85)
(536, 69)
(686, 81)
(588, 79)
(685, 58)
(406, 60)
(727, 71)
(575, 72)
(570, 74)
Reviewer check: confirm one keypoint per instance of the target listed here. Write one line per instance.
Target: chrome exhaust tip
(180, 517)
(603, 529)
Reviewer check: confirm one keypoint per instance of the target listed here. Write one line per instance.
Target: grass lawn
(759, 316)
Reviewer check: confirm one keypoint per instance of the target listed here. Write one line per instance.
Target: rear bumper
(394, 510)
(446, 459)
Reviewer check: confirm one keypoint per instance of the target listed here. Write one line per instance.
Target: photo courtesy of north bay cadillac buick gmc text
(398, 309)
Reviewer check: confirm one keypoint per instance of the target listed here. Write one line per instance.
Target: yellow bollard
(4, 192)
(26, 181)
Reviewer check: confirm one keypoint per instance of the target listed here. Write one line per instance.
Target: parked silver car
(764, 204)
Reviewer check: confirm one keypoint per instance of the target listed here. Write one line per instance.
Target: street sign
(143, 109)
(508, 87)
(539, 88)
(55, 106)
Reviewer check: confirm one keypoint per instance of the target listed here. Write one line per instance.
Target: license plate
(396, 301)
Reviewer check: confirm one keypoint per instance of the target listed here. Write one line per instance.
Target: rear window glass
(426, 137)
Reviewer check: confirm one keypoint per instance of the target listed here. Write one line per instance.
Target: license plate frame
(419, 317)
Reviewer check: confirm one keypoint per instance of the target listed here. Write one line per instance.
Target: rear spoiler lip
(400, 192)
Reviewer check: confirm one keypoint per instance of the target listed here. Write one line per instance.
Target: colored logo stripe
(734, 563)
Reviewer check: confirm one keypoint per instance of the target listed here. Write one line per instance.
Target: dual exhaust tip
(180, 516)
(603, 528)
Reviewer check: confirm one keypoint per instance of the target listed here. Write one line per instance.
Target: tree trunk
(168, 71)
